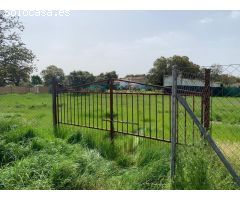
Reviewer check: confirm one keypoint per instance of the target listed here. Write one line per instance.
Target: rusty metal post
(173, 122)
(54, 102)
(206, 99)
(111, 110)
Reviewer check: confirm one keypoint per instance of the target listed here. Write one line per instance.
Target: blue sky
(130, 41)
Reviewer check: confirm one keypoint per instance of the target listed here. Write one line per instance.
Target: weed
(88, 141)
(38, 158)
(38, 144)
(75, 138)
(64, 176)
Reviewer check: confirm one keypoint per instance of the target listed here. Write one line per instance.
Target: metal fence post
(111, 109)
(206, 99)
(173, 121)
(54, 102)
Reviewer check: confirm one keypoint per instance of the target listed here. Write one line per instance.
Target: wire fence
(225, 116)
(210, 96)
(31, 110)
(220, 104)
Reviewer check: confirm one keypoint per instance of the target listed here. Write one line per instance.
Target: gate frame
(175, 97)
(58, 89)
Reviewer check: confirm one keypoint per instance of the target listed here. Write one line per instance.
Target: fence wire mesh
(32, 110)
(219, 114)
(225, 118)
(146, 112)
(29, 151)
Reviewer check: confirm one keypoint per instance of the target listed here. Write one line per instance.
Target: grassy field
(32, 156)
(137, 114)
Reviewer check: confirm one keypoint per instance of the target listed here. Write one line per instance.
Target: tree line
(74, 78)
(17, 63)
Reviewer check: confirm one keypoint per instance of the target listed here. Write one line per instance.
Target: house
(140, 78)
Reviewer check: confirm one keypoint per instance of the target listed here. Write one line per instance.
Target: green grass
(32, 156)
(148, 115)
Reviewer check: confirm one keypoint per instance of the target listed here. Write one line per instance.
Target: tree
(218, 75)
(77, 78)
(107, 76)
(216, 71)
(52, 72)
(36, 80)
(16, 61)
(163, 66)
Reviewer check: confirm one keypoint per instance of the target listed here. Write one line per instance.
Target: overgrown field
(32, 156)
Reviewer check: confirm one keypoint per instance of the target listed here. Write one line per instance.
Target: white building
(167, 81)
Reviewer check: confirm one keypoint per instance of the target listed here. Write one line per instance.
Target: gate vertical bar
(54, 102)
(173, 121)
(111, 109)
(206, 99)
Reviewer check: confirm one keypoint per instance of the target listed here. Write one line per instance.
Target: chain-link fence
(207, 102)
(215, 110)
(225, 118)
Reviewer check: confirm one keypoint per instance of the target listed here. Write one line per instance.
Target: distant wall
(23, 90)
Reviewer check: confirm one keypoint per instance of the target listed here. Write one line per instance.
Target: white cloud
(235, 14)
(165, 39)
(206, 20)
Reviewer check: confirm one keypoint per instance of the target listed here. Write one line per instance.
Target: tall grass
(32, 156)
(81, 161)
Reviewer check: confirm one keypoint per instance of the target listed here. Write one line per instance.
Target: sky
(130, 41)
